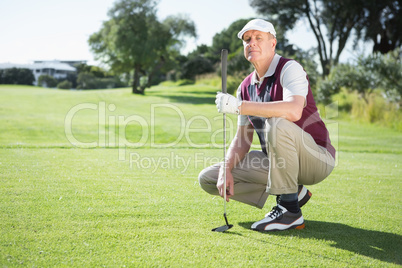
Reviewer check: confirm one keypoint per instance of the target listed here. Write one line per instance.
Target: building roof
(9, 65)
(57, 65)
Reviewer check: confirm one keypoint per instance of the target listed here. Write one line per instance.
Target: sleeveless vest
(271, 90)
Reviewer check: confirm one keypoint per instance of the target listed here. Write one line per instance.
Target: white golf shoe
(279, 219)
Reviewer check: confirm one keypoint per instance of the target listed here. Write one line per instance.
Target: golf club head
(222, 228)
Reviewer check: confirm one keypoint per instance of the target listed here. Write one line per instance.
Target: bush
(86, 81)
(345, 99)
(90, 81)
(47, 81)
(185, 82)
(196, 66)
(232, 83)
(393, 118)
(368, 74)
(376, 109)
(370, 90)
(65, 85)
(19, 76)
(178, 83)
(387, 69)
(168, 83)
(109, 82)
(356, 78)
(211, 79)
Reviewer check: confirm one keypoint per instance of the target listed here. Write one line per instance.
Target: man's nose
(252, 42)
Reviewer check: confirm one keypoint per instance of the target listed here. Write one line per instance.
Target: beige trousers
(293, 158)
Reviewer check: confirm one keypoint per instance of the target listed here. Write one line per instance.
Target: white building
(57, 69)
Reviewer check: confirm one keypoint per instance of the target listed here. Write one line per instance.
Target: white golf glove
(227, 103)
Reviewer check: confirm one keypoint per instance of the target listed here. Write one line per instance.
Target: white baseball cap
(259, 25)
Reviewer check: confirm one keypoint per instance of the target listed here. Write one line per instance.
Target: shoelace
(274, 213)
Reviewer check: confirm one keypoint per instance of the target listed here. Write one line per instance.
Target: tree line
(86, 77)
(135, 42)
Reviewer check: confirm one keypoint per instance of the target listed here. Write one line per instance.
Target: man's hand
(229, 184)
(226, 103)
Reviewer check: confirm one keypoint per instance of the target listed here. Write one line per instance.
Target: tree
(382, 25)
(133, 40)
(228, 39)
(331, 21)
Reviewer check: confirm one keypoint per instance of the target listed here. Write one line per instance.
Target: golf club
(224, 58)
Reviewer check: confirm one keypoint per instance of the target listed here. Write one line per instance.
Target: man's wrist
(229, 167)
(241, 107)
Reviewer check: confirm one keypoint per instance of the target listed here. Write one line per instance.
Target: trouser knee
(207, 180)
(202, 178)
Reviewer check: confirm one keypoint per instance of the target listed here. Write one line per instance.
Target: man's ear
(274, 42)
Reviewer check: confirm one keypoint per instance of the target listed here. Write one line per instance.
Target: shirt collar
(270, 71)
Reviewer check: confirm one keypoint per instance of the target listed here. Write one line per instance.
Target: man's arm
(295, 89)
(290, 109)
(238, 149)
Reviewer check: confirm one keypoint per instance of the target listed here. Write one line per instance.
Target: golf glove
(227, 103)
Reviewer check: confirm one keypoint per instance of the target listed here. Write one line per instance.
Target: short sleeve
(294, 80)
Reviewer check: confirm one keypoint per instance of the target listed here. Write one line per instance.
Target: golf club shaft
(224, 56)
(224, 164)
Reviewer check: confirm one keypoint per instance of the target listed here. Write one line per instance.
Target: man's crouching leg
(250, 179)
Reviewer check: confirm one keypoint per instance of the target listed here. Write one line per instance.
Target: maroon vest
(271, 90)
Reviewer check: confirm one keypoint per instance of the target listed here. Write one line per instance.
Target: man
(276, 101)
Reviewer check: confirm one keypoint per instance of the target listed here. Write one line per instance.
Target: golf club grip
(224, 62)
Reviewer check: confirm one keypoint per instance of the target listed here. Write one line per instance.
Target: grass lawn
(107, 178)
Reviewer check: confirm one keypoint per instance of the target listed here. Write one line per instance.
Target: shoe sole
(297, 224)
(299, 227)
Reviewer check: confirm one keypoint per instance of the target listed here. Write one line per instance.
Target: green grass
(141, 206)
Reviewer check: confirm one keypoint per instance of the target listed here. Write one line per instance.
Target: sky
(59, 29)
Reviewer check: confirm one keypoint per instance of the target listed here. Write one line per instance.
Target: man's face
(258, 46)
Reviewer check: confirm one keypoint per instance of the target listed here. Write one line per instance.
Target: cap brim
(255, 28)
